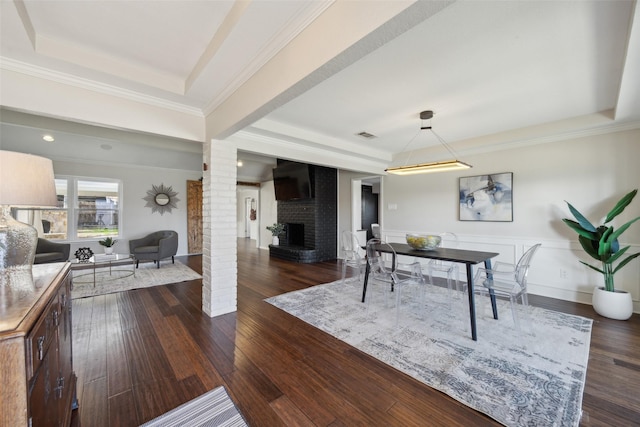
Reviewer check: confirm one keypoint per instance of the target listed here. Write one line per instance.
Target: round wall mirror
(162, 199)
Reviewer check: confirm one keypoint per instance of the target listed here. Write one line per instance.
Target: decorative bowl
(423, 242)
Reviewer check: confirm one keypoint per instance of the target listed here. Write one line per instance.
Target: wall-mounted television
(292, 181)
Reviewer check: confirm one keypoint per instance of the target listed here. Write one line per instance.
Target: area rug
(530, 378)
(146, 275)
(214, 408)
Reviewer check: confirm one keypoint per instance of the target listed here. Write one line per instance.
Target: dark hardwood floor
(138, 354)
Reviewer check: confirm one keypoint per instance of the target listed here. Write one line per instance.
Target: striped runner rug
(213, 409)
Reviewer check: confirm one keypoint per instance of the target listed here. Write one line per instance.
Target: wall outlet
(563, 273)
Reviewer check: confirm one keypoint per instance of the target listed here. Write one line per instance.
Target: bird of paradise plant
(601, 242)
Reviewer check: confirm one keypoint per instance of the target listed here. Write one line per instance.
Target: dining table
(463, 256)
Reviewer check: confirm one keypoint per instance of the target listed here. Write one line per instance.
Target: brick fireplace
(311, 224)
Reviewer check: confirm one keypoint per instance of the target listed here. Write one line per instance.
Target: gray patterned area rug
(213, 409)
(146, 275)
(532, 378)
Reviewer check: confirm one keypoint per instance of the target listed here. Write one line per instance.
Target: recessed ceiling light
(240, 163)
(48, 138)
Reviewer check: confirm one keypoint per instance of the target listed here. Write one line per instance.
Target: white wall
(137, 219)
(591, 172)
(243, 193)
(267, 212)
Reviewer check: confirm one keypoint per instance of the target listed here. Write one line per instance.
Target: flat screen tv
(292, 181)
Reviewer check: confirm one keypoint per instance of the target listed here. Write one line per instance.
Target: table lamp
(25, 181)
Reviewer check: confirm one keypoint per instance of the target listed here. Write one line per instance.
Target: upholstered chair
(48, 251)
(155, 246)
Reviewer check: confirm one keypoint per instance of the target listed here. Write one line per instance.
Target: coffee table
(112, 262)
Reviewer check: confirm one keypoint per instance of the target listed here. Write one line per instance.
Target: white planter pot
(275, 241)
(614, 305)
(108, 251)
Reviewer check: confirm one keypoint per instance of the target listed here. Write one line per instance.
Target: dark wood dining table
(462, 256)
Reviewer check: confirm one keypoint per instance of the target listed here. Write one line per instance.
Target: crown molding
(16, 66)
(562, 136)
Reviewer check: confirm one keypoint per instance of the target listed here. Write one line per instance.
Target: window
(88, 208)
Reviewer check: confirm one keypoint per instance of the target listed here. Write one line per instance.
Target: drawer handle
(40, 347)
(60, 387)
(56, 320)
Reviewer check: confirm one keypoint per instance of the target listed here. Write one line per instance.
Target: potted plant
(601, 243)
(108, 243)
(276, 230)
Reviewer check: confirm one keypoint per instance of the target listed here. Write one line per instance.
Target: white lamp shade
(26, 180)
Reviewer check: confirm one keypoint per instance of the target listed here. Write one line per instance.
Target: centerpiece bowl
(424, 242)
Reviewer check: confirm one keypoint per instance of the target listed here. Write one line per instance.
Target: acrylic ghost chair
(351, 252)
(375, 231)
(450, 269)
(393, 279)
(507, 280)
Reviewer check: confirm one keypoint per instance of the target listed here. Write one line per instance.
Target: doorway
(370, 208)
(366, 199)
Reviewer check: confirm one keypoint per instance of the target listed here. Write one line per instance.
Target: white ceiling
(488, 69)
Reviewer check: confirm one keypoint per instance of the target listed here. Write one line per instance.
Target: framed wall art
(487, 197)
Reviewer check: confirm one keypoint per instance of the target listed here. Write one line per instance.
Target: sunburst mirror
(161, 199)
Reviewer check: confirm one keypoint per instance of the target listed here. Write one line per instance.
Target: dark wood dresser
(37, 381)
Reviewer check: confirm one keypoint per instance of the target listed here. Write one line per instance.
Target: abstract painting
(487, 197)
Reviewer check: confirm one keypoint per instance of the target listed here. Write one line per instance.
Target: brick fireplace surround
(317, 218)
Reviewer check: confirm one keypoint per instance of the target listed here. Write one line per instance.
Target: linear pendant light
(444, 166)
(428, 167)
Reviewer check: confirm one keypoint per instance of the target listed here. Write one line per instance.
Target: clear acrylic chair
(396, 280)
(375, 231)
(507, 280)
(450, 269)
(351, 251)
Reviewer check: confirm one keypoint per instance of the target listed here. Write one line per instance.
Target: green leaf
(604, 245)
(584, 222)
(618, 254)
(619, 231)
(619, 207)
(626, 261)
(592, 267)
(589, 246)
(580, 230)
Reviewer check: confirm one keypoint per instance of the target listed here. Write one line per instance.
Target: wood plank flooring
(138, 354)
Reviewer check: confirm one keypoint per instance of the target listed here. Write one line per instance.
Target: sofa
(155, 246)
(48, 251)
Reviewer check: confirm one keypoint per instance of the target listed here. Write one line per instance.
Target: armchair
(48, 251)
(155, 246)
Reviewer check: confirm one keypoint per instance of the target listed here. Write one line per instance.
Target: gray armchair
(48, 251)
(155, 246)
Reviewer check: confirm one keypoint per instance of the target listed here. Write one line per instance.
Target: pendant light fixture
(433, 166)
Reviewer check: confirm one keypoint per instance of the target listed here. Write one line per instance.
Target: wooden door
(194, 216)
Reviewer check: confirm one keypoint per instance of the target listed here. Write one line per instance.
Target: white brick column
(219, 257)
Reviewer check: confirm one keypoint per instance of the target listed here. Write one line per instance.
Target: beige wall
(591, 172)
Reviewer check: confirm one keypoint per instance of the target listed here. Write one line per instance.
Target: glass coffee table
(106, 267)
